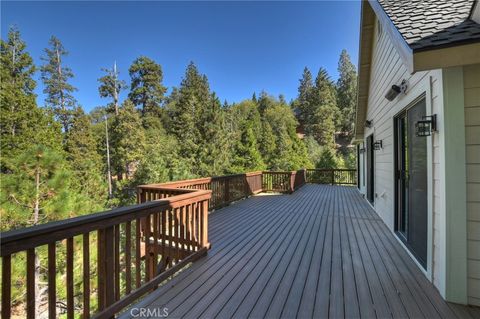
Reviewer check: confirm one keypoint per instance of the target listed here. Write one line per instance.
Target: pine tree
(188, 114)
(55, 76)
(127, 140)
(244, 126)
(302, 104)
(321, 122)
(111, 86)
(346, 93)
(268, 144)
(82, 155)
(214, 154)
(22, 123)
(147, 90)
(35, 192)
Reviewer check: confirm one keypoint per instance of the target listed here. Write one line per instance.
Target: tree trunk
(36, 213)
(109, 172)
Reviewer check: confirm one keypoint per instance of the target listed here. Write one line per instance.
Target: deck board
(319, 252)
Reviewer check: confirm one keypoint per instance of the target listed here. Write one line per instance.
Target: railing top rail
(34, 236)
(176, 184)
(332, 169)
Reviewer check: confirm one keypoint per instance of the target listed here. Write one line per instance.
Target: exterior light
(426, 126)
(395, 90)
(378, 145)
(368, 123)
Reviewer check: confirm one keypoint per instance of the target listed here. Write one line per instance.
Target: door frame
(422, 89)
(396, 163)
(370, 180)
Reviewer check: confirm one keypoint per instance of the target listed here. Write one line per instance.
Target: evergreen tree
(111, 86)
(321, 121)
(214, 155)
(127, 140)
(82, 155)
(55, 76)
(247, 156)
(302, 104)
(329, 159)
(268, 144)
(22, 123)
(245, 127)
(346, 93)
(146, 89)
(188, 112)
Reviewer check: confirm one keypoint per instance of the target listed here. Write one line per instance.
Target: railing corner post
(204, 216)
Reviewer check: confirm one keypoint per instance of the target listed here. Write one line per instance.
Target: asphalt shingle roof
(426, 24)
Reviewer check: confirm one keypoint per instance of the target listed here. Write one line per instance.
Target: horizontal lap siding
(387, 69)
(471, 81)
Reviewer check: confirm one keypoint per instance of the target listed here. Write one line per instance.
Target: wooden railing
(137, 247)
(332, 176)
(225, 189)
(283, 182)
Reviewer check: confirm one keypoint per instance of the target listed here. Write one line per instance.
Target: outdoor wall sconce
(426, 126)
(362, 150)
(378, 145)
(395, 90)
(368, 123)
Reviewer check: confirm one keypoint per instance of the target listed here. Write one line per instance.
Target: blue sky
(242, 47)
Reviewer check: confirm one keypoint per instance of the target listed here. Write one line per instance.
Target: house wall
(471, 79)
(387, 69)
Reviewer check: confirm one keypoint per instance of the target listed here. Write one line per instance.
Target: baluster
(31, 283)
(182, 228)
(155, 243)
(177, 233)
(148, 259)
(86, 276)
(116, 258)
(101, 269)
(70, 301)
(52, 273)
(6, 286)
(164, 237)
(137, 253)
(109, 266)
(170, 235)
(128, 257)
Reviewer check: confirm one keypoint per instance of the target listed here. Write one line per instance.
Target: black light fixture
(368, 123)
(395, 90)
(426, 125)
(378, 145)
(361, 150)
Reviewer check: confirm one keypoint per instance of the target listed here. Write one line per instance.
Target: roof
(427, 35)
(429, 24)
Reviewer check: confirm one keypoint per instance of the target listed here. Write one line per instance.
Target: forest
(57, 161)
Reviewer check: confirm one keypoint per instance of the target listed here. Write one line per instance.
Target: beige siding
(471, 79)
(387, 69)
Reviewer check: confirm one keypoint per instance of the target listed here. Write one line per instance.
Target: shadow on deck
(319, 252)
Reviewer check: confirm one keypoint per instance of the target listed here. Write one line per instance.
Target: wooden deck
(319, 252)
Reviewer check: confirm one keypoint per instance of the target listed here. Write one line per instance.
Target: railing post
(204, 224)
(332, 171)
(106, 271)
(292, 181)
